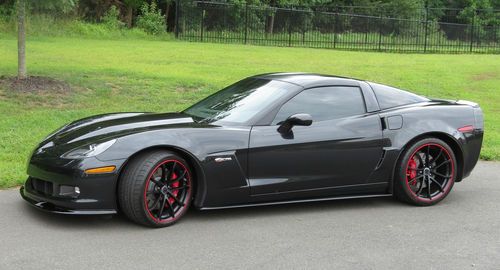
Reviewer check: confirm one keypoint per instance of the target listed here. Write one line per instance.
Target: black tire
(152, 180)
(425, 173)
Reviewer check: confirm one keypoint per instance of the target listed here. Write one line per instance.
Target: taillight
(466, 129)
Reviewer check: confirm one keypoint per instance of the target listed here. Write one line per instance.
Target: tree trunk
(270, 24)
(21, 40)
(167, 11)
(130, 14)
(270, 18)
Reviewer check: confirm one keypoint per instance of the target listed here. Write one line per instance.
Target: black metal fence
(225, 23)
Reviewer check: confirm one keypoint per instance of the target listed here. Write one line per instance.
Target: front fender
(200, 146)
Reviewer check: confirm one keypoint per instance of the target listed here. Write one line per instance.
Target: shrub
(151, 20)
(111, 18)
(5, 11)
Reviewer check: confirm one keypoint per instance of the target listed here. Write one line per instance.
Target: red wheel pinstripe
(430, 172)
(167, 191)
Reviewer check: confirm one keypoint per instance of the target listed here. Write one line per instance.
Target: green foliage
(151, 19)
(133, 3)
(112, 18)
(6, 10)
(52, 7)
(47, 26)
(484, 13)
(99, 31)
(5, 18)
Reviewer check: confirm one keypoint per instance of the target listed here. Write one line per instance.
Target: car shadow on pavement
(333, 206)
(73, 221)
(260, 212)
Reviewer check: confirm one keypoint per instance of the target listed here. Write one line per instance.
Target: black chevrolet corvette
(268, 139)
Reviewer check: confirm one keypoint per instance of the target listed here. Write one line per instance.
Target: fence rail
(226, 23)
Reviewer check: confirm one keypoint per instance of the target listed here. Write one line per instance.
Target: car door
(341, 147)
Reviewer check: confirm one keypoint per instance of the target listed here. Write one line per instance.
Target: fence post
(246, 22)
(177, 9)
(290, 28)
(202, 23)
(367, 29)
(335, 28)
(380, 33)
(472, 31)
(496, 37)
(426, 27)
(304, 26)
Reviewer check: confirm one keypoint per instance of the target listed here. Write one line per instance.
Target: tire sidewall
(151, 220)
(402, 185)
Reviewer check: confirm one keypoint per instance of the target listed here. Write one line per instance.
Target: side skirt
(297, 201)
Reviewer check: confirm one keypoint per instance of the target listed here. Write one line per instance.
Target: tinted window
(239, 102)
(324, 103)
(389, 97)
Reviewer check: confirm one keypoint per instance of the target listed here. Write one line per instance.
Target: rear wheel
(156, 189)
(426, 173)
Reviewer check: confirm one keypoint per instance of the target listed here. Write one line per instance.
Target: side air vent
(381, 160)
(382, 121)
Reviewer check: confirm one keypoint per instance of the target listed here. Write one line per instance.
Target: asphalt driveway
(462, 232)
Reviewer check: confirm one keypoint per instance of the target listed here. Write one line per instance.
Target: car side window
(389, 97)
(324, 103)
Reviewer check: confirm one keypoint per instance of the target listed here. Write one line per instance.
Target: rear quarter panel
(437, 119)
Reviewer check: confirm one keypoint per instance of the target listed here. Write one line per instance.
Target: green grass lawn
(139, 75)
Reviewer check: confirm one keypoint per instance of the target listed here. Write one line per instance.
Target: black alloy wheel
(427, 172)
(156, 188)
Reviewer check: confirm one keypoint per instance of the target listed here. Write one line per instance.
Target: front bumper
(55, 207)
(47, 177)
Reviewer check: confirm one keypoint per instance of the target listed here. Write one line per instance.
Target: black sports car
(268, 139)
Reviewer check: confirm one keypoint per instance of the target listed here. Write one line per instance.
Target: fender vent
(382, 121)
(381, 160)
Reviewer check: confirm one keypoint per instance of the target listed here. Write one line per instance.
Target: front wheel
(156, 189)
(426, 172)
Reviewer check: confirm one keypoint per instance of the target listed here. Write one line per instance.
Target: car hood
(117, 124)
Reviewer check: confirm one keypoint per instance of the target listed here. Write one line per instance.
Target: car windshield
(239, 102)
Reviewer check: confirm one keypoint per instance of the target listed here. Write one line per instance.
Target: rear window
(389, 97)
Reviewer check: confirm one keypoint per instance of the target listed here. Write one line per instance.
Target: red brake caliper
(412, 173)
(174, 185)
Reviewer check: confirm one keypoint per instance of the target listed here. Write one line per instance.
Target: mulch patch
(34, 84)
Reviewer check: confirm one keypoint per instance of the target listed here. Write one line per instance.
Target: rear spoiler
(466, 102)
(478, 113)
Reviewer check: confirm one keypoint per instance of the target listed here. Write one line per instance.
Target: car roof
(307, 80)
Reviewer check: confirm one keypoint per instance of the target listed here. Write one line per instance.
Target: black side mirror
(300, 119)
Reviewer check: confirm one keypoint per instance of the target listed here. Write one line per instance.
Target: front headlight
(89, 150)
